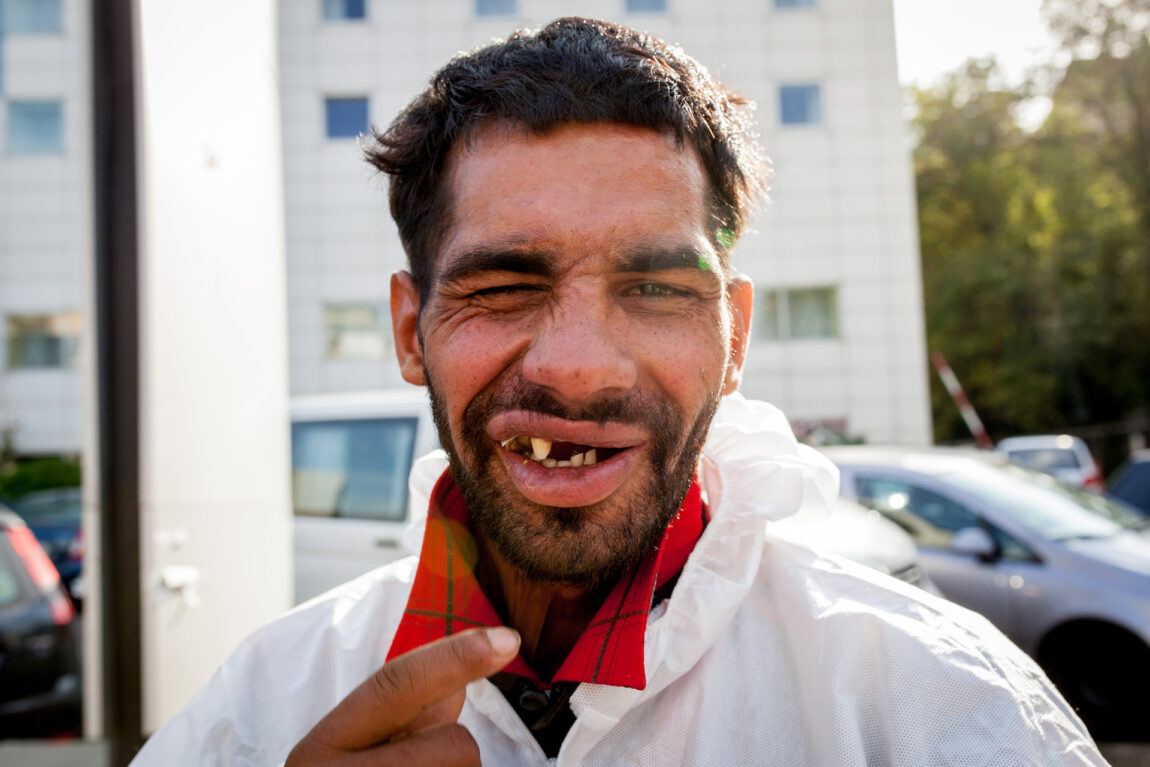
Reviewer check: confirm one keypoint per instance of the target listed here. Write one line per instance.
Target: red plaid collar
(446, 596)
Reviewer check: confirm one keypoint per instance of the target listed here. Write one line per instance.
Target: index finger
(395, 695)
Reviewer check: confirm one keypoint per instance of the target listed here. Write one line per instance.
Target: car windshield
(49, 507)
(1048, 507)
(1045, 458)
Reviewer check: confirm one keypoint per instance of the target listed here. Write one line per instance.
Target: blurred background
(194, 267)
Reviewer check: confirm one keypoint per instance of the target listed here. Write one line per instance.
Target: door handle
(181, 580)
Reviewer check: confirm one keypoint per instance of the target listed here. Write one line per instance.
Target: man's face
(577, 336)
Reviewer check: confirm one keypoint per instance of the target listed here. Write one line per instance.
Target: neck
(550, 617)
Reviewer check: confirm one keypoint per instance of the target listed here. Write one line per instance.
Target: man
(568, 200)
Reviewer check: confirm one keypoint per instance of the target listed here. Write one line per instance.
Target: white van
(351, 456)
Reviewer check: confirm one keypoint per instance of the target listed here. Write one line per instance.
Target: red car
(39, 640)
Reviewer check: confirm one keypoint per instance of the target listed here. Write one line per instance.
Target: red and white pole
(954, 388)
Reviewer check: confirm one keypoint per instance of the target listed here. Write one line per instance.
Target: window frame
(774, 320)
(628, 9)
(329, 119)
(67, 345)
(31, 146)
(344, 16)
(57, 28)
(819, 118)
(333, 328)
(496, 13)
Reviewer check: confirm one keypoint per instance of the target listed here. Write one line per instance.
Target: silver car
(1063, 572)
(1061, 455)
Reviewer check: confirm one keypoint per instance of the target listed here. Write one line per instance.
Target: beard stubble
(586, 546)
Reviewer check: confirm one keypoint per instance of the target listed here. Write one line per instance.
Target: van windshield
(352, 468)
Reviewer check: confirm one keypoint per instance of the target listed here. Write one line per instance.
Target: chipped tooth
(577, 459)
(562, 464)
(550, 463)
(540, 448)
(589, 460)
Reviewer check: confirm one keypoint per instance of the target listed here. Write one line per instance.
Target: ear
(405, 328)
(741, 299)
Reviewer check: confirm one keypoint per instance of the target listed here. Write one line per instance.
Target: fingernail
(503, 640)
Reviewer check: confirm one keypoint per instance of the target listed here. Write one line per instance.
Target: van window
(352, 468)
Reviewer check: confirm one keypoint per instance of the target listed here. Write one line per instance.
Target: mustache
(624, 408)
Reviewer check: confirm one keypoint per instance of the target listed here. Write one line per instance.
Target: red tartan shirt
(446, 597)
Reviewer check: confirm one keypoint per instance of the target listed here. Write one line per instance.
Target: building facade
(838, 339)
(45, 222)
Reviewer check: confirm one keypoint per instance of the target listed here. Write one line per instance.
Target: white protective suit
(766, 654)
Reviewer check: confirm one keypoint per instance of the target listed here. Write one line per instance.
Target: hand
(405, 713)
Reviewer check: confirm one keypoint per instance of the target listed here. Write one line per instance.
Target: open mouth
(553, 454)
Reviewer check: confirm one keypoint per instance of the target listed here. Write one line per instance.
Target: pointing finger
(398, 694)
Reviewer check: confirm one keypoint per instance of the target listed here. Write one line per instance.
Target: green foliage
(1036, 245)
(39, 474)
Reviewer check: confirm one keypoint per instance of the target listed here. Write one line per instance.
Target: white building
(838, 339)
(45, 221)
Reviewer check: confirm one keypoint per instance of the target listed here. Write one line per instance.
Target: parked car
(54, 516)
(1131, 482)
(1062, 572)
(855, 532)
(1060, 455)
(39, 639)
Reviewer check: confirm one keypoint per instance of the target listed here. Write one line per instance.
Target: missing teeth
(538, 449)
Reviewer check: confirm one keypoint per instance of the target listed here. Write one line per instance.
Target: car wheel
(1104, 672)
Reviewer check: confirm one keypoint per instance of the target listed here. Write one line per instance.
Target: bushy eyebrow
(537, 263)
(545, 263)
(653, 260)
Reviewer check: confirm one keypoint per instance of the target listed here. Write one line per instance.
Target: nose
(581, 353)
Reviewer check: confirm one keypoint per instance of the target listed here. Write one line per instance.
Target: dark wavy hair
(572, 70)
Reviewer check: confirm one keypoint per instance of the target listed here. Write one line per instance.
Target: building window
(43, 340)
(800, 105)
(797, 313)
(35, 127)
(646, 6)
(794, 3)
(345, 117)
(342, 10)
(496, 7)
(356, 331)
(30, 17)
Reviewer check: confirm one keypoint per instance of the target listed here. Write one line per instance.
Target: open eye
(655, 290)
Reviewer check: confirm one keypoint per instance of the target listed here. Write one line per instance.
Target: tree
(980, 207)
(1099, 129)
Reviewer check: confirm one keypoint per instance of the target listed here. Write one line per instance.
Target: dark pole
(117, 368)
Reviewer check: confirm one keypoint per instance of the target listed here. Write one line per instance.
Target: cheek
(688, 364)
(464, 360)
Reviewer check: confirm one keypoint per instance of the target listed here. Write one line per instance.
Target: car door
(932, 519)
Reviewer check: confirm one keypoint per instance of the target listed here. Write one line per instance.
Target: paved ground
(49, 754)
(1127, 754)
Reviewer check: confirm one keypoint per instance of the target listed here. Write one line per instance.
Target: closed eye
(496, 290)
